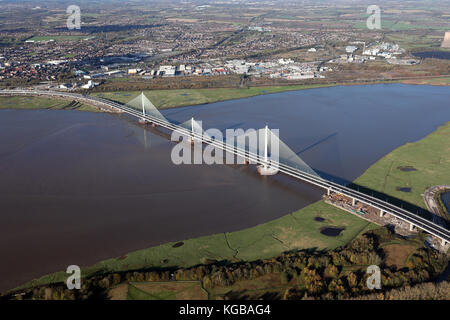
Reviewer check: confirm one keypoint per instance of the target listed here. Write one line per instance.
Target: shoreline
(277, 89)
(433, 200)
(43, 103)
(444, 207)
(283, 88)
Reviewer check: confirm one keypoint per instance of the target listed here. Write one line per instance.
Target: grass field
(185, 97)
(254, 289)
(298, 230)
(430, 157)
(192, 290)
(445, 81)
(57, 38)
(160, 290)
(410, 41)
(395, 25)
(29, 103)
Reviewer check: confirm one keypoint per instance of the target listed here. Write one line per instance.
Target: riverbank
(298, 230)
(172, 98)
(407, 172)
(442, 203)
(29, 103)
(441, 81)
(445, 201)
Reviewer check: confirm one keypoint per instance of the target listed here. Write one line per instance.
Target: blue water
(446, 200)
(339, 130)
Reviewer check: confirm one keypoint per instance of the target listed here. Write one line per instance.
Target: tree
(207, 283)
(336, 286)
(284, 278)
(331, 271)
(116, 279)
(352, 280)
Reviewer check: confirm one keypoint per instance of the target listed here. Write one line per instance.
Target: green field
(411, 41)
(57, 38)
(430, 157)
(444, 81)
(185, 97)
(396, 25)
(160, 290)
(29, 103)
(297, 230)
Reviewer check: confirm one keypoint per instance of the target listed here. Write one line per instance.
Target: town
(200, 40)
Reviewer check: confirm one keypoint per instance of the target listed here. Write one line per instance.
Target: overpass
(384, 207)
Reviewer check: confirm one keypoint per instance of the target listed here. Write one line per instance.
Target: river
(79, 187)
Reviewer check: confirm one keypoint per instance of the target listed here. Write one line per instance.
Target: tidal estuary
(79, 187)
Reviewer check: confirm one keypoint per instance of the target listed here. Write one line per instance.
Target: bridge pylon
(143, 120)
(191, 138)
(264, 169)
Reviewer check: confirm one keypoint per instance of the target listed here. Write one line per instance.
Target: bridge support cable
(141, 102)
(195, 129)
(288, 157)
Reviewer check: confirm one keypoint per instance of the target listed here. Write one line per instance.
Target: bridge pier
(142, 121)
(328, 192)
(267, 171)
(444, 243)
(246, 158)
(411, 227)
(381, 213)
(353, 202)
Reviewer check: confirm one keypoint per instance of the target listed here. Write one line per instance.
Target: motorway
(414, 220)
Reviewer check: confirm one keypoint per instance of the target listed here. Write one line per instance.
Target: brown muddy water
(78, 187)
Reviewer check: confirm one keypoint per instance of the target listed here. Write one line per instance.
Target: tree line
(335, 274)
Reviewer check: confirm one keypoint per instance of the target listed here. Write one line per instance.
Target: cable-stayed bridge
(288, 163)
